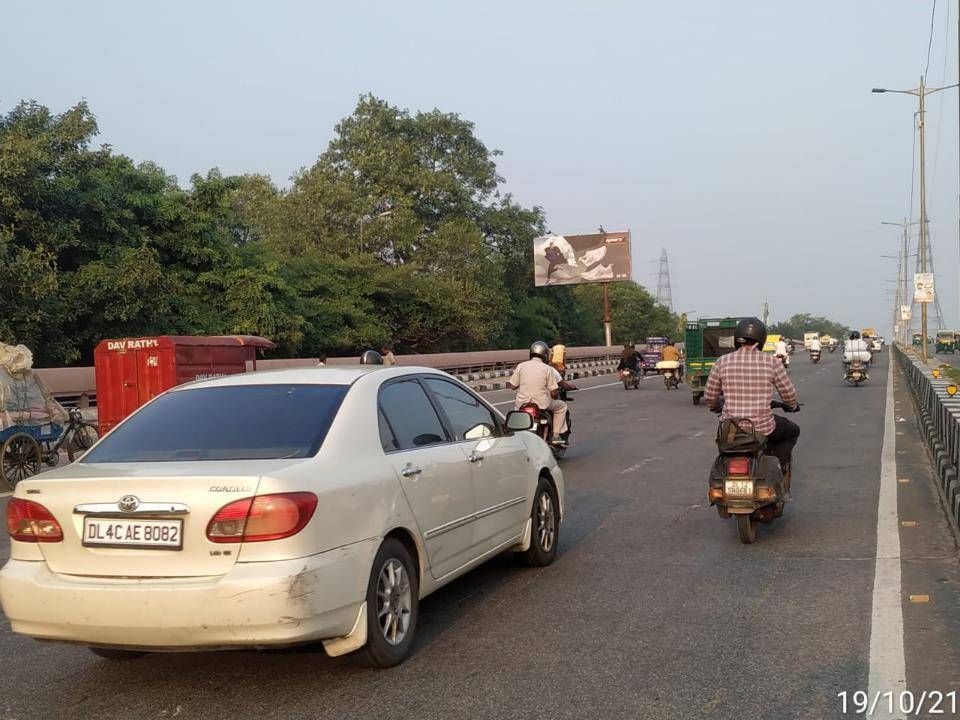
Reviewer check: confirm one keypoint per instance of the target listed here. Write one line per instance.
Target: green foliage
(637, 316)
(398, 233)
(797, 325)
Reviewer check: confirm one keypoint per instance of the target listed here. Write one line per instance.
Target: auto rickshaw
(705, 340)
(917, 340)
(946, 342)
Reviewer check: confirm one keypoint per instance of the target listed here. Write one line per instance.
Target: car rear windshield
(240, 422)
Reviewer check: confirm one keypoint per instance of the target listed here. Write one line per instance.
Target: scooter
(745, 482)
(832, 349)
(856, 373)
(814, 356)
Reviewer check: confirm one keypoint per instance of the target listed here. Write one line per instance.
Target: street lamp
(368, 218)
(921, 92)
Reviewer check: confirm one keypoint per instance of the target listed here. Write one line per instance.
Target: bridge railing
(938, 414)
(76, 386)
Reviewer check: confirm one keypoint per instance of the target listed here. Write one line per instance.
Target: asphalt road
(652, 610)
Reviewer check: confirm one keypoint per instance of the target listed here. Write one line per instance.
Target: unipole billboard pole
(606, 313)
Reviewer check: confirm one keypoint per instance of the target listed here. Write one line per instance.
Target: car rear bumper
(255, 604)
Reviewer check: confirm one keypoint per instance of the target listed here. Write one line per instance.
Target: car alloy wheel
(394, 602)
(546, 521)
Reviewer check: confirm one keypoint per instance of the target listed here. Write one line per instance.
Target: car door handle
(411, 471)
(475, 457)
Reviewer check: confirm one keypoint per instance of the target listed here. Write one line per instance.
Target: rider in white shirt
(782, 351)
(815, 344)
(855, 349)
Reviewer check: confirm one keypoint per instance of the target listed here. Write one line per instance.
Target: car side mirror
(517, 420)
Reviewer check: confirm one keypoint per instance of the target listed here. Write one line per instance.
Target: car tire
(116, 655)
(392, 593)
(545, 527)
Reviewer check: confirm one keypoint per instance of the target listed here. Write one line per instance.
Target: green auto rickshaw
(946, 342)
(917, 340)
(705, 340)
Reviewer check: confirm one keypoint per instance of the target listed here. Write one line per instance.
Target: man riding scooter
(855, 349)
(536, 382)
(745, 381)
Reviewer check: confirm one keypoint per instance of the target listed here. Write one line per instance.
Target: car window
(470, 418)
(238, 422)
(409, 416)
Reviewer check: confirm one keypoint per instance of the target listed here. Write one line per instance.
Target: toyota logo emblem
(128, 503)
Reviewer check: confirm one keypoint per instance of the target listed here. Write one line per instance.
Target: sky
(741, 136)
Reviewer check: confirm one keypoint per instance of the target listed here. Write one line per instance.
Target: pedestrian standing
(388, 357)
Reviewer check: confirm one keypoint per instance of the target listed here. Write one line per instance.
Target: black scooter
(745, 481)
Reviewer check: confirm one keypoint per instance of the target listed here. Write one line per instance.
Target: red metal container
(132, 371)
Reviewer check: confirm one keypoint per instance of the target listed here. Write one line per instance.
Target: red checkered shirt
(746, 379)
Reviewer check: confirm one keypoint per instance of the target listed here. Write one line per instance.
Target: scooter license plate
(740, 488)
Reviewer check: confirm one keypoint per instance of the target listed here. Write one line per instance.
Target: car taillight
(738, 466)
(262, 517)
(29, 521)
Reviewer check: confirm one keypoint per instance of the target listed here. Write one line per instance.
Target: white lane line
(887, 664)
(595, 387)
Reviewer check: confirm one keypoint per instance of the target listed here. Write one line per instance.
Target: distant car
(278, 508)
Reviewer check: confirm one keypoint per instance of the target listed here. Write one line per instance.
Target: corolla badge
(128, 503)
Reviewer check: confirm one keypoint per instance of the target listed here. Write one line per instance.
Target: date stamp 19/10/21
(929, 702)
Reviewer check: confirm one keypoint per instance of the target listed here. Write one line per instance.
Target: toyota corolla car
(278, 508)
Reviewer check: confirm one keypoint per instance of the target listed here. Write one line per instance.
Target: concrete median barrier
(938, 416)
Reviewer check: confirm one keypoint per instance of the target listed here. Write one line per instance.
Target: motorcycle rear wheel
(746, 529)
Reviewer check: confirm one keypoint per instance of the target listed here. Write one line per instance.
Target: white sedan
(278, 508)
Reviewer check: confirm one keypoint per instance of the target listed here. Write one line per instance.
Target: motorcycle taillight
(738, 466)
(531, 411)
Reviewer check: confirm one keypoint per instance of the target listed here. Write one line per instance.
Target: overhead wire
(933, 16)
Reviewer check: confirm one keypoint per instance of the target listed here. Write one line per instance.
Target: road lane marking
(887, 664)
(595, 387)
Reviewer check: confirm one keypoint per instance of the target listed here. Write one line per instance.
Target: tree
(797, 325)
(635, 315)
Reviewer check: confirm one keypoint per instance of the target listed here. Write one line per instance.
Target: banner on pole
(923, 287)
(906, 312)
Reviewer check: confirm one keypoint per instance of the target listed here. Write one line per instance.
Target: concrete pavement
(653, 609)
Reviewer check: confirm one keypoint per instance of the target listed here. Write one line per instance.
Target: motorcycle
(670, 369)
(856, 373)
(543, 420)
(832, 349)
(814, 356)
(746, 482)
(784, 360)
(631, 379)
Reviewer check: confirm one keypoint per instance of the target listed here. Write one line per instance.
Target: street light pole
(923, 216)
(921, 92)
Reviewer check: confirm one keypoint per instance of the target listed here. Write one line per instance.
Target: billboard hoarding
(578, 259)
(923, 287)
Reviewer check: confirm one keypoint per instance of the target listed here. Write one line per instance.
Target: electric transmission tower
(664, 293)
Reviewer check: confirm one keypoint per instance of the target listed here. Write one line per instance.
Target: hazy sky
(742, 136)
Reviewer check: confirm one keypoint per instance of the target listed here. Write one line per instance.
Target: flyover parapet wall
(938, 415)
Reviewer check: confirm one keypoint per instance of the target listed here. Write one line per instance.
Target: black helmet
(750, 328)
(539, 349)
(855, 335)
(371, 357)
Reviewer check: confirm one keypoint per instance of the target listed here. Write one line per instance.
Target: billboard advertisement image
(923, 287)
(576, 259)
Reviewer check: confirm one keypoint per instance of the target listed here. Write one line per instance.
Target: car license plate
(739, 487)
(133, 533)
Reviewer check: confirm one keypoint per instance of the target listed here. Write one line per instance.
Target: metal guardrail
(76, 386)
(939, 418)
